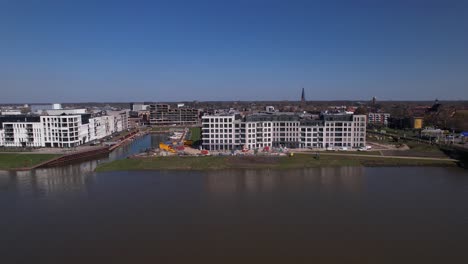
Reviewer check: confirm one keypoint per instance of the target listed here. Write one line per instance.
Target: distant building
(78, 111)
(163, 114)
(303, 96)
(406, 122)
(417, 122)
(134, 119)
(378, 118)
(270, 109)
(464, 136)
(232, 131)
(38, 108)
(120, 119)
(11, 112)
(139, 107)
(432, 133)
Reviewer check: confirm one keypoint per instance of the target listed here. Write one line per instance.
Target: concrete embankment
(129, 138)
(67, 158)
(89, 154)
(82, 155)
(86, 154)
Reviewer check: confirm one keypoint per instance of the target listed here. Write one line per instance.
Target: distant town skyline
(135, 51)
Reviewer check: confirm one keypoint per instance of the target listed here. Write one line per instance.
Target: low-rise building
(79, 111)
(139, 107)
(39, 108)
(11, 112)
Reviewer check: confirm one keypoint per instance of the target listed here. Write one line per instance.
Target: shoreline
(25, 161)
(298, 161)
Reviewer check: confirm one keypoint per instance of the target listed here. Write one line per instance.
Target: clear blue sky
(80, 50)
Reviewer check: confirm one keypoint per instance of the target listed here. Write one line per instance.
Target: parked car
(364, 148)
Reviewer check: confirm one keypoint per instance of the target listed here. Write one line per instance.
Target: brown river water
(323, 215)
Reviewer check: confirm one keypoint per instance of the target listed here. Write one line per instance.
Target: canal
(321, 215)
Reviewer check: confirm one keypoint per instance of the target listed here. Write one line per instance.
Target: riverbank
(18, 161)
(263, 162)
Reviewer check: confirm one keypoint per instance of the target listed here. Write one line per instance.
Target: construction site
(186, 142)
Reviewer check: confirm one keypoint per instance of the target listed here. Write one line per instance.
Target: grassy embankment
(259, 162)
(11, 161)
(195, 136)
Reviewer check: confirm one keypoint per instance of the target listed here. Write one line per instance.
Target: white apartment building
(57, 130)
(120, 119)
(99, 127)
(2, 137)
(223, 132)
(61, 131)
(227, 132)
(378, 118)
(24, 134)
(342, 130)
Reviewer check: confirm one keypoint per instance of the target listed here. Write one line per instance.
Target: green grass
(159, 129)
(168, 163)
(195, 134)
(258, 162)
(413, 145)
(400, 132)
(10, 161)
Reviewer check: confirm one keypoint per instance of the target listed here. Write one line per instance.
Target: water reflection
(259, 216)
(72, 178)
(137, 146)
(232, 182)
(48, 182)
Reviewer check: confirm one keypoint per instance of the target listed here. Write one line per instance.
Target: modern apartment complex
(163, 114)
(58, 130)
(232, 131)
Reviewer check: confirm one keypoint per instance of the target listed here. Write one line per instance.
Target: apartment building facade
(59, 131)
(229, 132)
(163, 114)
(24, 134)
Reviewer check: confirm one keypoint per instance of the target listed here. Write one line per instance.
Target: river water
(323, 215)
